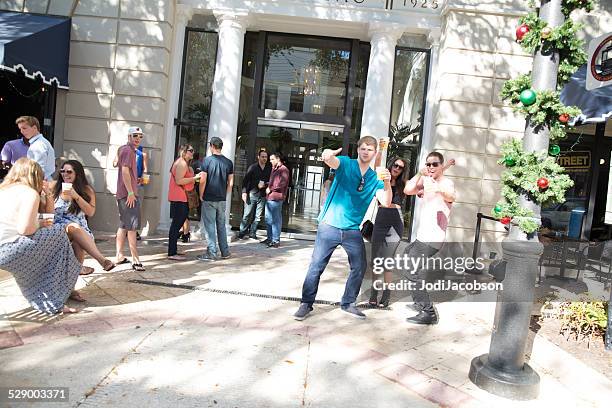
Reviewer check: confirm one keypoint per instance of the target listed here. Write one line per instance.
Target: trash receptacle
(575, 223)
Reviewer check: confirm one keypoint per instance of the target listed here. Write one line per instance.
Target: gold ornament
(546, 32)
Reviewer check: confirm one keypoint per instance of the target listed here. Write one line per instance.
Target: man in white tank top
(438, 194)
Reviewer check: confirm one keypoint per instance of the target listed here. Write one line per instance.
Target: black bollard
(503, 371)
(609, 328)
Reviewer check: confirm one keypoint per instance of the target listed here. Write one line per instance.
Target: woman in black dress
(388, 228)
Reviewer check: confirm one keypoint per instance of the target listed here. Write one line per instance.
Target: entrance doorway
(301, 143)
(21, 96)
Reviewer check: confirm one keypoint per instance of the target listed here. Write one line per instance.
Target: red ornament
(521, 31)
(542, 183)
(505, 220)
(564, 118)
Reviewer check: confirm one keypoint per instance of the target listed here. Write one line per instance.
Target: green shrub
(583, 319)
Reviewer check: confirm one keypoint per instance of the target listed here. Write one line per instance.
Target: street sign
(599, 64)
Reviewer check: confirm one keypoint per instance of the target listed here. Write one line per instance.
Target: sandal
(123, 261)
(108, 265)
(67, 309)
(75, 295)
(86, 270)
(138, 267)
(177, 257)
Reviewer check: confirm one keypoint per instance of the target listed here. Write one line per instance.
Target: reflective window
(306, 74)
(196, 97)
(407, 110)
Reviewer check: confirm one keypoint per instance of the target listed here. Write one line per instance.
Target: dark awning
(596, 104)
(40, 45)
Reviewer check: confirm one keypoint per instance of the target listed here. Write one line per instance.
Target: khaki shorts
(129, 218)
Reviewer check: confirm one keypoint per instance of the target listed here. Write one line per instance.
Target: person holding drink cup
(355, 185)
(35, 251)
(72, 201)
(438, 192)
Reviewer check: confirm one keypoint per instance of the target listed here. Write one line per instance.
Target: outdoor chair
(599, 260)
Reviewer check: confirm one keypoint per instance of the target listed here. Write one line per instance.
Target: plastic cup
(383, 143)
(66, 186)
(146, 178)
(380, 172)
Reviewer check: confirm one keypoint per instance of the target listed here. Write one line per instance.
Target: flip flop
(86, 270)
(138, 267)
(123, 261)
(76, 296)
(109, 265)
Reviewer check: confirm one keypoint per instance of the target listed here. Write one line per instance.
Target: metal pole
(503, 371)
(609, 329)
(477, 236)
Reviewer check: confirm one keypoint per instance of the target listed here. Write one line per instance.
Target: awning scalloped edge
(50, 81)
(583, 119)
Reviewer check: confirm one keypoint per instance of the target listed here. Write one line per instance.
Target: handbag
(367, 225)
(193, 201)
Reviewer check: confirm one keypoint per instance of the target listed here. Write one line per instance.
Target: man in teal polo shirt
(354, 187)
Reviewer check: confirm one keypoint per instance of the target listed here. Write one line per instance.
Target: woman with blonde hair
(182, 181)
(37, 253)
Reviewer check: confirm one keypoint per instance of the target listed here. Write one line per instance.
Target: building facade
(296, 76)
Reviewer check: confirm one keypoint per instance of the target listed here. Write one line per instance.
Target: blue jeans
(274, 219)
(328, 239)
(256, 202)
(213, 224)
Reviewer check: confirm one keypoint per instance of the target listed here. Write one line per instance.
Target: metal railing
(479, 216)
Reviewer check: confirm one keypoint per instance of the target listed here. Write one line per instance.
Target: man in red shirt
(276, 194)
(127, 198)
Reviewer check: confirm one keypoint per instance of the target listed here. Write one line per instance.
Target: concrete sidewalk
(221, 334)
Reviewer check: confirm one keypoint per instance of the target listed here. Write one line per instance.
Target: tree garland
(537, 175)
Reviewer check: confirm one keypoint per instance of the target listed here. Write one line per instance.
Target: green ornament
(528, 97)
(497, 208)
(554, 150)
(509, 161)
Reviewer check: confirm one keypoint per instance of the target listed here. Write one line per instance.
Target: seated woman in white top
(37, 254)
(73, 200)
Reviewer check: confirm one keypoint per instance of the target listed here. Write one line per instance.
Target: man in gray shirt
(216, 182)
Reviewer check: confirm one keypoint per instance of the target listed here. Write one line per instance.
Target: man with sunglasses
(128, 201)
(438, 194)
(353, 188)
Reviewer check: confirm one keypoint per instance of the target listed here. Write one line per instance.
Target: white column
(377, 101)
(181, 18)
(226, 85)
(432, 103)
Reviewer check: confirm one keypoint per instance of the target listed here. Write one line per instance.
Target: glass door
(301, 143)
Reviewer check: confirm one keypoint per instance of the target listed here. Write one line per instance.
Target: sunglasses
(361, 185)
(398, 166)
(66, 171)
(138, 136)
(434, 164)
(190, 150)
